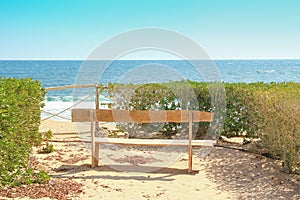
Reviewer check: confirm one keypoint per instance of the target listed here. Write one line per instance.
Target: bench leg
(190, 152)
(190, 147)
(93, 145)
(95, 155)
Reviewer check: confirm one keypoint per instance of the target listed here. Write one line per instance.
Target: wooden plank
(80, 115)
(200, 116)
(141, 116)
(151, 142)
(69, 87)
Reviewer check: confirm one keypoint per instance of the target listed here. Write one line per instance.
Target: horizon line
(149, 59)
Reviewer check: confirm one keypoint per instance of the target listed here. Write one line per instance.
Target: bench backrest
(140, 116)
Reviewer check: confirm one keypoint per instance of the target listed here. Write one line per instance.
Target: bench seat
(152, 142)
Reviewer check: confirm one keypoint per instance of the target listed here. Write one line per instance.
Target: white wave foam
(64, 109)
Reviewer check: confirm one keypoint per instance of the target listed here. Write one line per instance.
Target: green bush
(234, 110)
(20, 102)
(279, 130)
(155, 97)
(29, 177)
(269, 111)
(190, 95)
(46, 147)
(145, 97)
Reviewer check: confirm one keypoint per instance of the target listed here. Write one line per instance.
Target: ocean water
(60, 73)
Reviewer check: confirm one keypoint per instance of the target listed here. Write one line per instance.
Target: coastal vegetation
(278, 106)
(47, 147)
(20, 102)
(267, 111)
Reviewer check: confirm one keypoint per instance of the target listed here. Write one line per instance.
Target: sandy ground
(223, 174)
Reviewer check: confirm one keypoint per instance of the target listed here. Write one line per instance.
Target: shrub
(234, 110)
(209, 97)
(29, 177)
(20, 102)
(155, 97)
(46, 148)
(269, 111)
(145, 97)
(279, 129)
(240, 117)
(190, 95)
(47, 136)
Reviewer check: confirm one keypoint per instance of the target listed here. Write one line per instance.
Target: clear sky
(71, 29)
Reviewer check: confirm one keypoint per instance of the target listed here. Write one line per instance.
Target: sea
(53, 73)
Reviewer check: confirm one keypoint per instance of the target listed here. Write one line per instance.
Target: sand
(223, 174)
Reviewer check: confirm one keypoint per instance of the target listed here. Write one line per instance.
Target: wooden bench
(143, 116)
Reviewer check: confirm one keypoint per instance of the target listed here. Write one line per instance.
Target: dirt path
(223, 174)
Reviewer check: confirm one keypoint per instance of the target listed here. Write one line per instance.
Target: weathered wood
(92, 118)
(96, 154)
(69, 87)
(152, 142)
(190, 150)
(141, 116)
(96, 103)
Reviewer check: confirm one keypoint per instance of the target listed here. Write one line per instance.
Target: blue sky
(71, 29)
